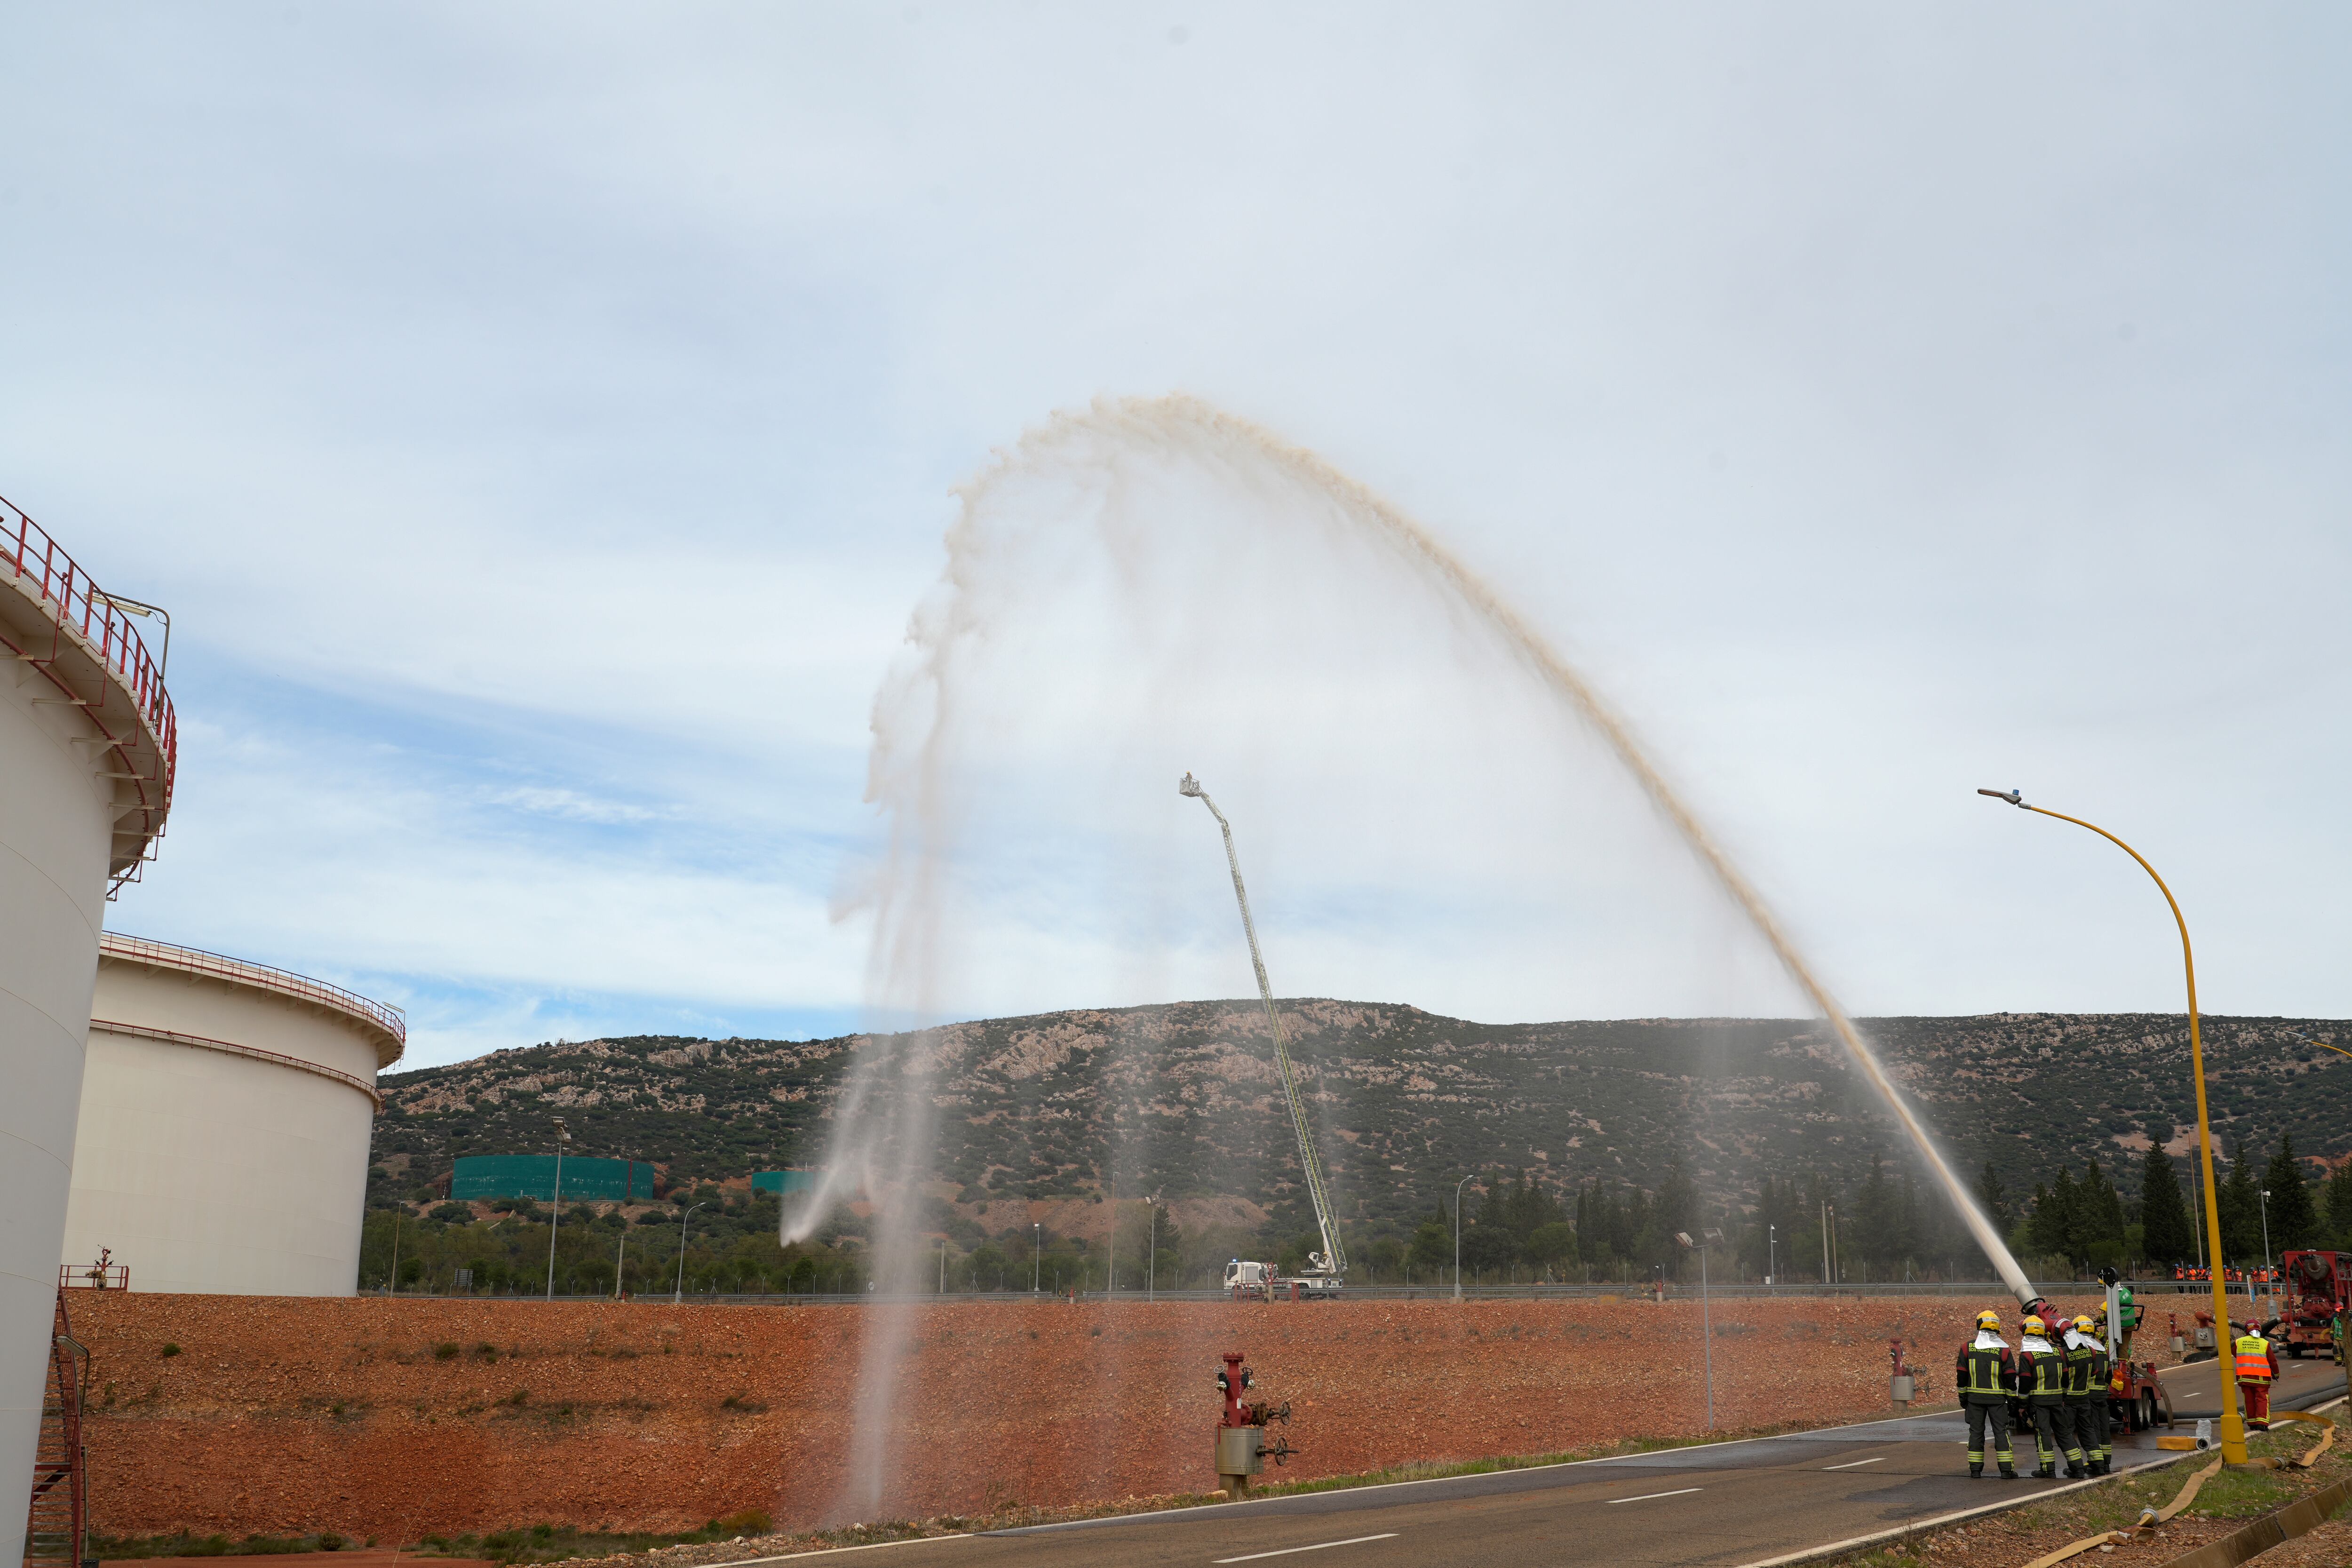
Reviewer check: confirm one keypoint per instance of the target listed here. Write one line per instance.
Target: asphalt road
(1728, 1503)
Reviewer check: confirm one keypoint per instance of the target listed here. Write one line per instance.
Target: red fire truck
(2318, 1285)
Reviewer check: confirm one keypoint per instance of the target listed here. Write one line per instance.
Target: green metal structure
(480, 1177)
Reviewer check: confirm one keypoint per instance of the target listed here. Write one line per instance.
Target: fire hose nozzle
(2011, 796)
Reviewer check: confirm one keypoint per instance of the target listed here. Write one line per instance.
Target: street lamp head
(1188, 785)
(1684, 1236)
(2011, 796)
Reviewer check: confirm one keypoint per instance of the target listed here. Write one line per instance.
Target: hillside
(1407, 1100)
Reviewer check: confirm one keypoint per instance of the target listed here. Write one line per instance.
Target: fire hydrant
(1903, 1386)
(1241, 1430)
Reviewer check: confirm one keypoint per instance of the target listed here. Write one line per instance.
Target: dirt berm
(398, 1418)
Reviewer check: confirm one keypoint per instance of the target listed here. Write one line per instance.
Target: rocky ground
(396, 1418)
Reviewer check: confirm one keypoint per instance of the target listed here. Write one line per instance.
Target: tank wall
(157, 998)
(212, 1174)
(55, 832)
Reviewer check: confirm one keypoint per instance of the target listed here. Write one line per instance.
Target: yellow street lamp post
(2234, 1428)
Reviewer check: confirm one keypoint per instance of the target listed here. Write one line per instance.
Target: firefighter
(2257, 1367)
(2041, 1379)
(2087, 1393)
(1986, 1373)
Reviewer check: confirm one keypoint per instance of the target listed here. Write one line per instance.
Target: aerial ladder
(1324, 1268)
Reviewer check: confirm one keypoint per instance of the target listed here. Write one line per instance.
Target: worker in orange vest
(2257, 1369)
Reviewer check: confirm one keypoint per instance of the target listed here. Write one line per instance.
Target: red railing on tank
(391, 1019)
(81, 606)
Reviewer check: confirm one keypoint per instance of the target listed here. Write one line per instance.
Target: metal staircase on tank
(57, 1529)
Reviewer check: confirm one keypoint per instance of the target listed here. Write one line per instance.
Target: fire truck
(2318, 1285)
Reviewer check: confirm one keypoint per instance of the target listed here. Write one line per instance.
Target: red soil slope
(390, 1417)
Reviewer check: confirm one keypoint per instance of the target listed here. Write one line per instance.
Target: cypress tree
(2339, 1202)
(2164, 1213)
(2100, 1208)
(2047, 1230)
(2241, 1213)
(1995, 1202)
(2294, 1221)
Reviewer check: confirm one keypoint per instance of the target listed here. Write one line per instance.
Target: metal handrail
(205, 1042)
(83, 608)
(383, 1014)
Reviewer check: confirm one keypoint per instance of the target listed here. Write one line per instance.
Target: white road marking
(1850, 1464)
(1353, 1541)
(1645, 1497)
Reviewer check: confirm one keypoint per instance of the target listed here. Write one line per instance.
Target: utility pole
(1825, 1246)
(1036, 1257)
(1772, 1253)
(555, 1214)
(1151, 1254)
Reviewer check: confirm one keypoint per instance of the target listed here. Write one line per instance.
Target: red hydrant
(1241, 1430)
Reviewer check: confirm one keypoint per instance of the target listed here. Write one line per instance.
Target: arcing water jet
(1447, 574)
(1009, 566)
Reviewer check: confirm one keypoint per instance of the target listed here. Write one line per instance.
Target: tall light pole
(1036, 1257)
(1151, 1250)
(1457, 1233)
(1772, 1253)
(677, 1294)
(1706, 1238)
(2233, 1427)
(555, 1214)
(1825, 1246)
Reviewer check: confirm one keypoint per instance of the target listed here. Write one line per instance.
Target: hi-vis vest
(2253, 1359)
(1980, 1369)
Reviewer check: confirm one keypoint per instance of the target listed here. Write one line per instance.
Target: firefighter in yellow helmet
(2041, 1379)
(1987, 1374)
(2087, 1393)
(2256, 1366)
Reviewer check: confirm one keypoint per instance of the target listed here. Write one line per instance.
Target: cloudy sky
(542, 423)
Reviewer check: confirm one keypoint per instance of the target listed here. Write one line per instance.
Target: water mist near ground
(1149, 579)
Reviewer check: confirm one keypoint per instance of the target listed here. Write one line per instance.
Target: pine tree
(2164, 1213)
(2294, 1221)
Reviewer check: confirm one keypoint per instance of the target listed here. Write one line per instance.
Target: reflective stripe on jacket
(1980, 1369)
(2253, 1359)
(2042, 1376)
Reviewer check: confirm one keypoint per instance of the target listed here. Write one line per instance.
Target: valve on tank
(1241, 1448)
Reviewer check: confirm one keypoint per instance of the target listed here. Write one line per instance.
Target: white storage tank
(87, 747)
(225, 1114)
